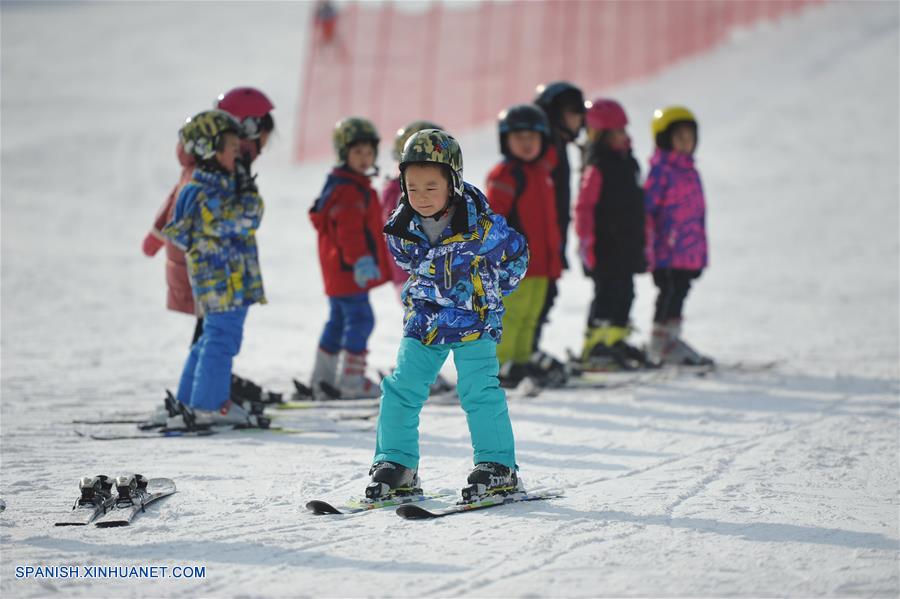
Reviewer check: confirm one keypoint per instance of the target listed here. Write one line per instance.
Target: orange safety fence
(459, 64)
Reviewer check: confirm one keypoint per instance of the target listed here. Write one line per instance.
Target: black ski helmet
(522, 117)
(556, 97)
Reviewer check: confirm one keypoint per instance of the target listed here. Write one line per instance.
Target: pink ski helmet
(251, 107)
(603, 114)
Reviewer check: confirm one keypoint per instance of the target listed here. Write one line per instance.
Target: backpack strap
(518, 175)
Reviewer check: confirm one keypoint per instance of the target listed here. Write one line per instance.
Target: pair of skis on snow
(104, 506)
(408, 508)
(580, 379)
(150, 429)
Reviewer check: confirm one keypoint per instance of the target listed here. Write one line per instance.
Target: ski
(417, 512)
(320, 508)
(207, 432)
(96, 499)
(135, 493)
(328, 404)
(111, 420)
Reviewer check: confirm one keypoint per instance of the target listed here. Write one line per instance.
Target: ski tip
(112, 524)
(301, 389)
(414, 512)
(321, 507)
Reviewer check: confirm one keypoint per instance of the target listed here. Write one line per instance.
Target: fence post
(306, 92)
(512, 84)
(382, 38)
(430, 64)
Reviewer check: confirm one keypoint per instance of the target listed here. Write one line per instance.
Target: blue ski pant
(350, 323)
(206, 379)
(404, 392)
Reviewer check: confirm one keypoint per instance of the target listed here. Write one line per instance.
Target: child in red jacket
(521, 189)
(353, 257)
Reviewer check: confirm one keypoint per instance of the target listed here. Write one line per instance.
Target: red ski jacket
(179, 298)
(347, 218)
(524, 194)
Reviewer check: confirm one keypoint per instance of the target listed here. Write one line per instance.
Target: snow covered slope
(782, 482)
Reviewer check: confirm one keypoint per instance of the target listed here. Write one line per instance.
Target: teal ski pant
(403, 393)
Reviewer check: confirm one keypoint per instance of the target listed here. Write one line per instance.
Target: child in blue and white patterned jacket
(461, 259)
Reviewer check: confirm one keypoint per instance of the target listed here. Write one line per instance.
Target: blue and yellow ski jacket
(216, 228)
(455, 287)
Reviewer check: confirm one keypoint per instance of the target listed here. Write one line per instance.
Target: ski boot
(685, 355)
(245, 391)
(352, 381)
(230, 414)
(547, 370)
(511, 374)
(324, 371)
(667, 347)
(490, 478)
(633, 355)
(605, 349)
(160, 418)
(603, 358)
(390, 479)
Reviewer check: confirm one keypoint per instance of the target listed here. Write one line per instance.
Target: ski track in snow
(781, 482)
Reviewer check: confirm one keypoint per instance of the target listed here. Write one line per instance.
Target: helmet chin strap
(373, 172)
(440, 214)
(437, 215)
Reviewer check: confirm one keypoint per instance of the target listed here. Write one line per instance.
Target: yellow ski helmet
(663, 121)
(663, 118)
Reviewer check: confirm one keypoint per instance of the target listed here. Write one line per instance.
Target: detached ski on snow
(135, 493)
(96, 499)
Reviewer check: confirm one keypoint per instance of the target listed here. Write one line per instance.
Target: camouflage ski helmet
(405, 133)
(353, 130)
(436, 147)
(202, 134)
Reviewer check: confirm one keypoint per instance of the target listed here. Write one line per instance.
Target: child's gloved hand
(365, 270)
(246, 183)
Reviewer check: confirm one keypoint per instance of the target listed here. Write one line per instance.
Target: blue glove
(365, 270)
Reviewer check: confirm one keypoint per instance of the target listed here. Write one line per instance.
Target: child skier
(676, 231)
(520, 189)
(215, 221)
(390, 199)
(390, 195)
(353, 258)
(609, 221)
(461, 258)
(253, 109)
(563, 103)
